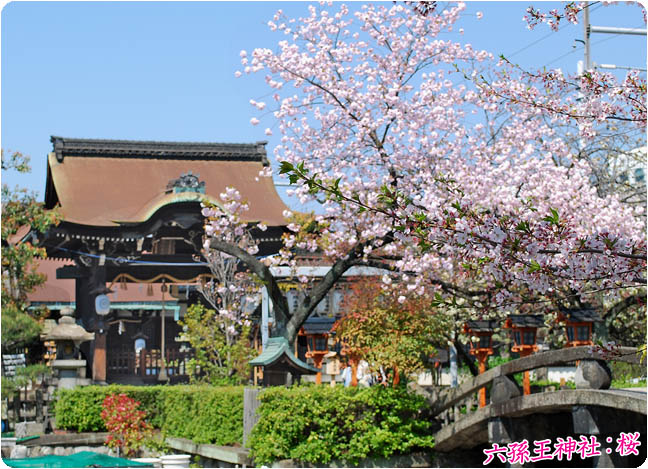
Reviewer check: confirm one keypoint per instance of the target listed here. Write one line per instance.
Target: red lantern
(578, 325)
(317, 349)
(482, 347)
(524, 328)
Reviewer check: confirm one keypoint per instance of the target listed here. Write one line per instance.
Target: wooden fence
(146, 363)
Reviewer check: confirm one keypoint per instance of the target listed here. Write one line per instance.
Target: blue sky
(165, 70)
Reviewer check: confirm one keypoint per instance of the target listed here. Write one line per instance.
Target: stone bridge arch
(510, 416)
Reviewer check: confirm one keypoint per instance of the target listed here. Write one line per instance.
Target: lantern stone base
(70, 383)
(71, 373)
(69, 364)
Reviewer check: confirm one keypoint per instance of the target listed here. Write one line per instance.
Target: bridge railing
(464, 407)
(450, 403)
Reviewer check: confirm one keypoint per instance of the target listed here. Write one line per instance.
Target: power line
(564, 55)
(548, 35)
(581, 48)
(531, 44)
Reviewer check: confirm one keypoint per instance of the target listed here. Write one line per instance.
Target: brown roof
(108, 182)
(53, 290)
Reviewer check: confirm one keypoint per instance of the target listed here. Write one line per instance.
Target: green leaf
(286, 167)
(523, 226)
(534, 266)
(554, 219)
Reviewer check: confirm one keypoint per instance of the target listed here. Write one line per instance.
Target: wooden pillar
(396, 377)
(85, 313)
(91, 281)
(482, 357)
(526, 382)
(317, 361)
(99, 359)
(142, 362)
(250, 415)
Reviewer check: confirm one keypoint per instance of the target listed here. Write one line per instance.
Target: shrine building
(132, 230)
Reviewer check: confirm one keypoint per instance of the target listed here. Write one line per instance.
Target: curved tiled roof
(109, 182)
(159, 150)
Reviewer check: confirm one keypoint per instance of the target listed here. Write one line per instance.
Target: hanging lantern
(483, 332)
(317, 343)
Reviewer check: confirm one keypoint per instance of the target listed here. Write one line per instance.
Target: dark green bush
(316, 424)
(203, 414)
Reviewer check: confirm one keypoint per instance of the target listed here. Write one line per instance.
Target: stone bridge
(590, 409)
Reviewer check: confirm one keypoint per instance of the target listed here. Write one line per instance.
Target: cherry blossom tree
(220, 333)
(230, 290)
(428, 171)
(603, 120)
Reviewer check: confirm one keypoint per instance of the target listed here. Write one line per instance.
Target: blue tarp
(81, 459)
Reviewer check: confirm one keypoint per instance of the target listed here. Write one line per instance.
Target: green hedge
(203, 414)
(316, 424)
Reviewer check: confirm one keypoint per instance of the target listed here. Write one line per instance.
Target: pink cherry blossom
(437, 161)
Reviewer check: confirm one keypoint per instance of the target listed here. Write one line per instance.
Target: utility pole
(588, 29)
(586, 38)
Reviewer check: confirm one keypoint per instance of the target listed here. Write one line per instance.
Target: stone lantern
(68, 364)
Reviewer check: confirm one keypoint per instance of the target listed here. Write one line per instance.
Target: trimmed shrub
(316, 424)
(204, 414)
(313, 424)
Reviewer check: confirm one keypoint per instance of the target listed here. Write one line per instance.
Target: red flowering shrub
(126, 424)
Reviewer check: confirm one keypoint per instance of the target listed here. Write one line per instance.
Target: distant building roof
(76, 147)
(112, 182)
(441, 356)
